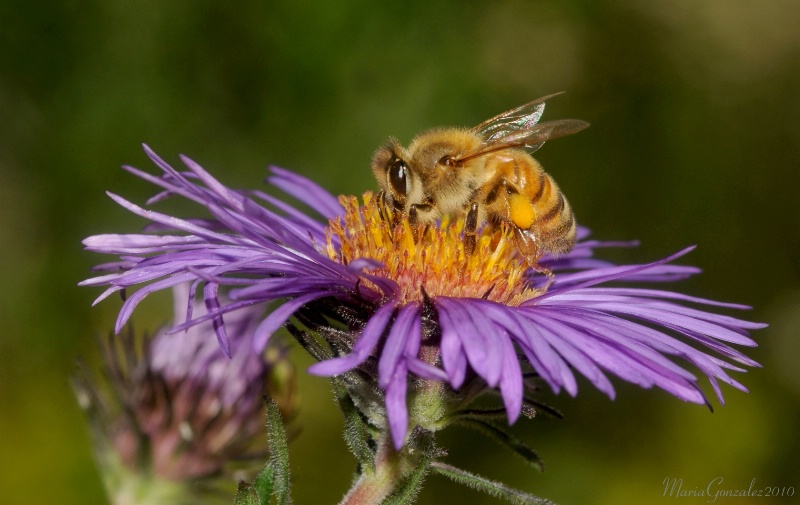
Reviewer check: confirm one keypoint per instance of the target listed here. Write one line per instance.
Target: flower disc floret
(432, 258)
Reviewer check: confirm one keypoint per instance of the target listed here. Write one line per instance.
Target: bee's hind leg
(530, 250)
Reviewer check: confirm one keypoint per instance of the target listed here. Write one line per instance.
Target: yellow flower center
(433, 258)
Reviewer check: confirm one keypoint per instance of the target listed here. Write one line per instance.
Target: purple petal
(538, 350)
(173, 222)
(491, 368)
(133, 243)
(360, 264)
(511, 380)
(211, 299)
(670, 319)
(582, 362)
(426, 370)
(105, 294)
(307, 191)
(277, 318)
(634, 363)
(226, 195)
(302, 220)
(363, 347)
(396, 343)
(473, 342)
(453, 358)
(396, 408)
(132, 301)
(656, 293)
(610, 275)
(414, 339)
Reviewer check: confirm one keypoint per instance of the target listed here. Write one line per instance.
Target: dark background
(694, 140)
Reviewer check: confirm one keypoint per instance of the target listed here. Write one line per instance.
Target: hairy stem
(391, 469)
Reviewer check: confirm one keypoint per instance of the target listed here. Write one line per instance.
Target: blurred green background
(695, 138)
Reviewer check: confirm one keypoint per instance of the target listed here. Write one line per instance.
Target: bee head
(399, 182)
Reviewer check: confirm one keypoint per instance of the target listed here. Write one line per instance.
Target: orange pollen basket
(433, 258)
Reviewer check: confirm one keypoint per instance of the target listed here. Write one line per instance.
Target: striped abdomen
(554, 224)
(520, 192)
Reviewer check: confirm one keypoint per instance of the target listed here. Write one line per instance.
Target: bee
(484, 174)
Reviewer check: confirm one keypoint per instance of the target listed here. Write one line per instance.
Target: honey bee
(484, 174)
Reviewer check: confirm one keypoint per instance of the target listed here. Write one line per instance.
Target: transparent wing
(520, 127)
(530, 139)
(522, 117)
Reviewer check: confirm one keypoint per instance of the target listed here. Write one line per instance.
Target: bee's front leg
(386, 214)
(413, 217)
(416, 221)
(471, 230)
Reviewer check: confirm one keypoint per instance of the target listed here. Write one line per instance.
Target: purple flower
(417, 305)
(171, 412)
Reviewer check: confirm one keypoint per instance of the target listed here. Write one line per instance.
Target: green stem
(391, 469)
(127, 487)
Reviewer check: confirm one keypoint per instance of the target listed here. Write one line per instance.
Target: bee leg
(391, 212)
(381, 202)
(414, 218)
(527, 246)
(413, 222)
(550, 276)
(471, 230)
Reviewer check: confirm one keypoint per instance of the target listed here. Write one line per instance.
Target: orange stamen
(434, 259)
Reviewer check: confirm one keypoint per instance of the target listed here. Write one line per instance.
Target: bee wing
(529, 137)
(520, 127)
(520, 118)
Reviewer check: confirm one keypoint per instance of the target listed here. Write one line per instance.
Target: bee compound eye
(398, 176)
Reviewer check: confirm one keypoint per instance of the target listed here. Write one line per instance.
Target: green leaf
(308, 342)
(478, 415)
(487, 486)
(279, 453)
(246, 495)
(264, 483)
(357, 434)
(516, 445)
